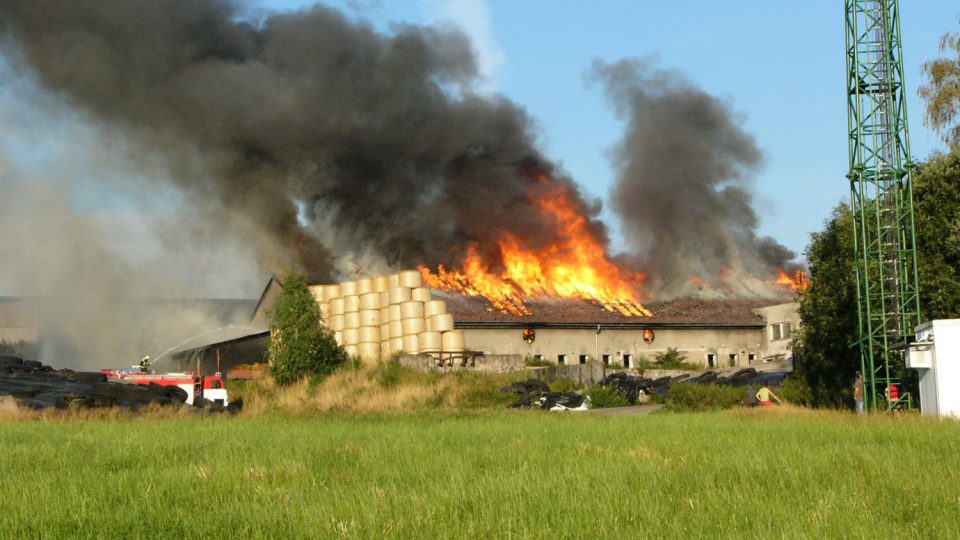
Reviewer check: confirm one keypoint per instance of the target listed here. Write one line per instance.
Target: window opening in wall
(561, 359)
(583, 358)
(606, 359)
(626, 360)
(712, 360)
(538, 357)
(780, 331)
(733, 360)
(752, 357)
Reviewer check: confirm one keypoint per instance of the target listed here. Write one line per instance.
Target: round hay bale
(396, 329)
(351, 336)
(396, 344)
(336, 323)
(410, 278)
(393, 280)
(380, 284)
(330, 292)
(369, 334)
(324, 310)
(316, 291)
(339, 337)
(369, 351)
(352, 350)
(364, 286)
(348, 288)
(421, 294)
(411, 310)
(370, 301)
(434, 307)
(399, 295)
(351, 303)
(411, 344)
(384, 315)
(412, 327)
(338, 306)
(385, 350)
(394, 313)
(441, 323)
(452, 341)
(384, 299)
(351, 319)
(385, 334)
(429, 341)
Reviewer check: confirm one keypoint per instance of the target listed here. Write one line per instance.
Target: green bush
(533, 361)
(704, 397)
(672, 359)
(795, 390)
(565, 385)
(300, 346)
(603, 397)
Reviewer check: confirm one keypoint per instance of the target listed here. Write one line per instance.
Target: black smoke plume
(681, 191)
(304, 122)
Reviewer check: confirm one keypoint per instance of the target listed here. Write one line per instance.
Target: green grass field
(482, 475)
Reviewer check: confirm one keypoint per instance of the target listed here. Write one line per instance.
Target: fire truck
(209, 387)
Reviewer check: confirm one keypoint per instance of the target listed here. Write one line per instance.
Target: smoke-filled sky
(199, 145)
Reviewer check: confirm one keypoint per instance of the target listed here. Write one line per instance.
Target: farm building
(377, 317)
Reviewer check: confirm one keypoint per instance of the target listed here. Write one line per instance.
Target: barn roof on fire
(475, 312)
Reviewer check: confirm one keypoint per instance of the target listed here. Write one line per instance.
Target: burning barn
(375, 318)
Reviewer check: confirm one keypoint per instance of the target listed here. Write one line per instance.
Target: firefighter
(145, 364)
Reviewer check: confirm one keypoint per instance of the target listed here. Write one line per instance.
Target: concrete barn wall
(772, 315)
(617, 343)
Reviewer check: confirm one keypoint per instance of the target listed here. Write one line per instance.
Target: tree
(300, 345)
(942, 91)
(826, 358)
(824, 346)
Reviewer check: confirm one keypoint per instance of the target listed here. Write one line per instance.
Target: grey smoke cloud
(683, 170)
(377, 134)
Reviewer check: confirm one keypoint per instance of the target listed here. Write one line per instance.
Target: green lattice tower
(881, 193)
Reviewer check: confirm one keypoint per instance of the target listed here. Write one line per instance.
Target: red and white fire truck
(209, 387)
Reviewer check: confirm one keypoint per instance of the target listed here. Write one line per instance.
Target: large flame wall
(375, 318)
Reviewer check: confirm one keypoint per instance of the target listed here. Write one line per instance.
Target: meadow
(789, 472)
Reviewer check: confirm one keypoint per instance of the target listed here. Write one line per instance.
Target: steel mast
(881, 193)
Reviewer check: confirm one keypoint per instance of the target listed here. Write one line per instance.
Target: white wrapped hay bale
(393, 280)
(364, 286)
(411, 344)
(370, 301)
(370, 317)
(338, 306)
(429, 342)
(330, 292)
(412, 327)
(441, 323)
(351, 336)
(351, 319)
(421, 294)
(396, 328)
(394, 313)
(351, 303)
(410, 278)
(411, 310)
(348, 288)
(434, 307)
(369, 334)
(452, 341)
(399, 295)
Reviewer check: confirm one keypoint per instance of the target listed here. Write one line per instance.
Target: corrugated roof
(475, 312)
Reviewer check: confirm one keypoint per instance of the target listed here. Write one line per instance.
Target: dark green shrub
(795, 390)
(704, 397)
(603, 397)
(672, 359)
(300, 346)
(533, 361)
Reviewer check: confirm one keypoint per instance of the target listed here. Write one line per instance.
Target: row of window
(712, 359)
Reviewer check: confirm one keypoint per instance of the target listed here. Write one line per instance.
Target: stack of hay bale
(375, 318)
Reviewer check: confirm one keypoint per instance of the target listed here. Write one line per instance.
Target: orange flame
(798, 281)
(575, 265)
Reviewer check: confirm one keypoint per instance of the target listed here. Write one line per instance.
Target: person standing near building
(764, 395)
(858, 393)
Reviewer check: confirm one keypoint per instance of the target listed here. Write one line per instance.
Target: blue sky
(779, 64)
